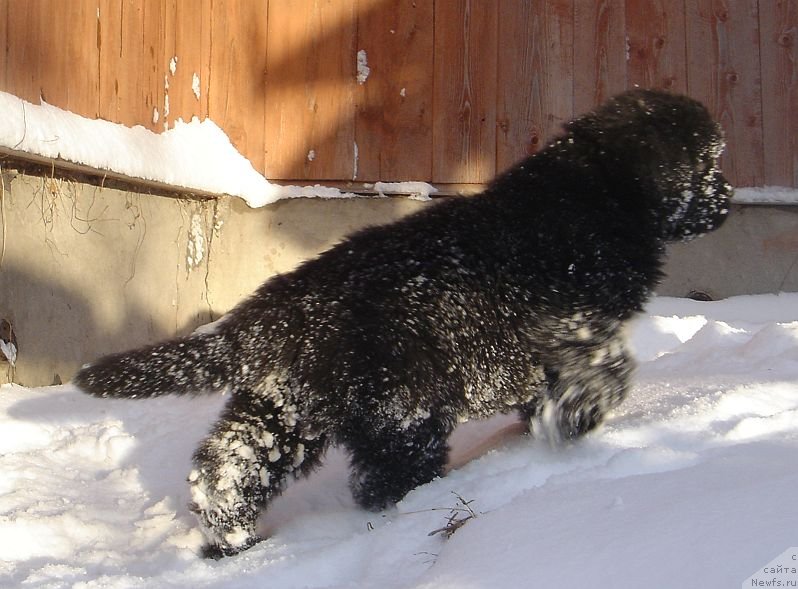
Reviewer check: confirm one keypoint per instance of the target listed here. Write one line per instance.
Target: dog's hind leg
(242, 465)
(587, 383)
(390, 459)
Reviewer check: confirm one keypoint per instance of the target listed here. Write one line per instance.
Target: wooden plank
(779, 43)
(393, 126)
(464, 95)
(205, 53)
(237, 75)
(147, 84)
(168, 62)
(309, 93)
(68, 65)
(4, 45)
(599, 51)
(535, 75)
(183, 59)
(724, 72)
(655, 31)
(109, 50)
(131, 87)
(23, 42)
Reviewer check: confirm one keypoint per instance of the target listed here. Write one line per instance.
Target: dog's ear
(635, 125)
(625, 136)
(622, 141)
(641, 124)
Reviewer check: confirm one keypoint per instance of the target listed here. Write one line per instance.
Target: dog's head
(662, 148)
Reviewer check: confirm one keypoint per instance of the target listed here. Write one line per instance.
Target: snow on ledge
(196, 155)
(769, 195)
(414, 190)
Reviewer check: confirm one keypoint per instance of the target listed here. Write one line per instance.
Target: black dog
(512, 300)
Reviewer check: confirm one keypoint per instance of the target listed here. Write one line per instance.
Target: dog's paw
(218, 551)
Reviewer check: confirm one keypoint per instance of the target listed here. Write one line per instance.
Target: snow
(766, 195)
(191, 155)
(363, 69)
(195, 248)
(690, 484)
(188, 155)
(195, 85)
(414, 190)
(9, 351)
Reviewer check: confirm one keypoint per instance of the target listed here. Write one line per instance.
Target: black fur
(512, 300)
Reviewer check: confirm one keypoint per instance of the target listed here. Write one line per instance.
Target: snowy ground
(691, 484)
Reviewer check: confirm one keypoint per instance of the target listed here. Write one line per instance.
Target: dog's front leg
(589, 381)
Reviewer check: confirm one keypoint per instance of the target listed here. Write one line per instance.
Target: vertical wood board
(535, 75)
(130, 45)
(24, 71)
(185, 28)
(599, 51)
(237, 69)
(779, 44)
(724, 72)
(464, 96)
(109, 51)
(309, 92)
(393, 126)
(656, 54)
(68, 60)
(4, 43)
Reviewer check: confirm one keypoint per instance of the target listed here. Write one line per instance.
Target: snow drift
(690, 484)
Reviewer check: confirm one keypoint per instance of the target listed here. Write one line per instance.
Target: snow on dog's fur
(512, 300)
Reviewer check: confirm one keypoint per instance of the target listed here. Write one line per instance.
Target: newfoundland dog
(511, 300)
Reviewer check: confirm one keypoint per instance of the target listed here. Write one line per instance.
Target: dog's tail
(196, 364)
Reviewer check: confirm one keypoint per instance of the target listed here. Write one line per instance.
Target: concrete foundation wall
(88, 270)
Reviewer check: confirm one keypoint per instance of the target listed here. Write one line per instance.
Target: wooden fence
(457, 89)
